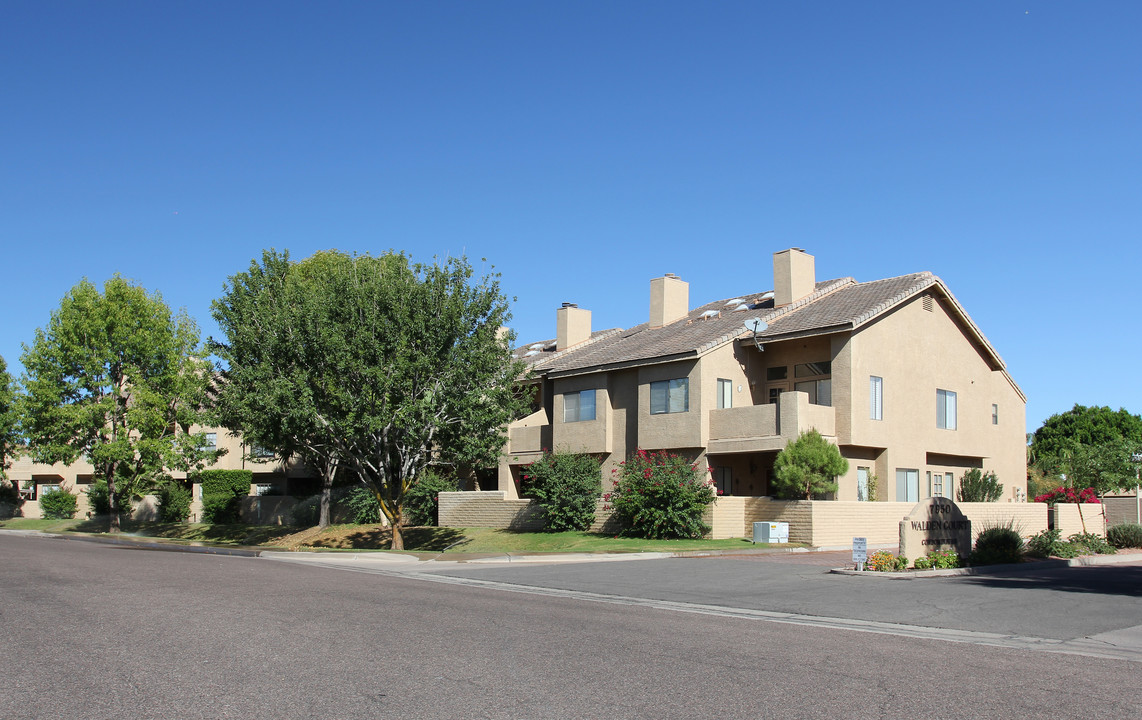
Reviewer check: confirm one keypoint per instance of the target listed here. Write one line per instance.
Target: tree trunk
(326, 496)
(112, 500)
(1080, 507)
(398, 534)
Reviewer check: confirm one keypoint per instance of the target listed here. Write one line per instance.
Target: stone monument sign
(935, 524)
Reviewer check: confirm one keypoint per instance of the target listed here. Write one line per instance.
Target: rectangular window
(44, 489)
(875, 398)
(257, 451)
(776, 373)
(825, 367)
(945, 409)
(820, 391)
(579, 406)
(211, 441)
(994, 414)
(725, 394)
(907, 486)
(862, 484)
(725, 480)
(670, 396)
(949, 488)
(263, 489)
(937, 484)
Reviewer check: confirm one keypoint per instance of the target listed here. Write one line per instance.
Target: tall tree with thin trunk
(375, 366)
(119, 379)
(9, 419)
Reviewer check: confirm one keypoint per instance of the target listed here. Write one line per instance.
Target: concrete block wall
(1065, 518)
(1027, 518)
(487, 508)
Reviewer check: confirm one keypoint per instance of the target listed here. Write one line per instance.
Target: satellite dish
(755, 325)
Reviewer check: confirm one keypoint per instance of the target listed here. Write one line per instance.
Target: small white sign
(860, 550)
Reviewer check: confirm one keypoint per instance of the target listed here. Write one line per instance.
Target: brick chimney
(794, 276)
(669, 300)
(572, 326)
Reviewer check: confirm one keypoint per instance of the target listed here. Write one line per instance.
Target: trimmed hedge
(58, 505)
(222, 492)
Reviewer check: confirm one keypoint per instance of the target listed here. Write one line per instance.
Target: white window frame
(574, 409)
(945, 409)
(673, 396)
(875, 397)
(211, 441)
(725, 393)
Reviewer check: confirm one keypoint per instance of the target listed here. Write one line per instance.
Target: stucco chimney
(669, 300)
(794, 276)
(572, 326)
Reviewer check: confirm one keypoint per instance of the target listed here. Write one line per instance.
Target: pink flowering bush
(1068, 495)
(661, 495)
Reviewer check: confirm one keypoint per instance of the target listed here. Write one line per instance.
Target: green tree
(1081, 427)
(978, 486)
(117, 378)
(375, 365)
(9, 420)
(808, 467)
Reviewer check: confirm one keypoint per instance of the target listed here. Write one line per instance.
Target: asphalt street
(99, 631)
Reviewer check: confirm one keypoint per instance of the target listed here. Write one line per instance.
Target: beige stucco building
(893, 371)
(270, 475)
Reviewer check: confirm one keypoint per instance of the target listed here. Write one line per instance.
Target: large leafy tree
(374, 366)
(9, 426)
(119, 379)
(808, 467)
(1065, 433)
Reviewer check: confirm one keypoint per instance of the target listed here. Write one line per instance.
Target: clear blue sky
(584, 148)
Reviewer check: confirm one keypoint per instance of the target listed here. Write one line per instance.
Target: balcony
(529, 436)
(762, 428)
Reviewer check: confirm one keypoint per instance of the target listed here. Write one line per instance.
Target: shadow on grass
(219, 534)
(422, 539)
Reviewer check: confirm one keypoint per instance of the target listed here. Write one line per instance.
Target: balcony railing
(768, 427)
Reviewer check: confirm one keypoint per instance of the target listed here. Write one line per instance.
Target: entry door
(862, 483)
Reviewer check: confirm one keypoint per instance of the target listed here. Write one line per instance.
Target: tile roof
(833, 305)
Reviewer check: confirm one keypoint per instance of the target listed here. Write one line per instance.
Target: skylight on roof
(536, 346)
(531, 353)
(711, 314)
(735, 301)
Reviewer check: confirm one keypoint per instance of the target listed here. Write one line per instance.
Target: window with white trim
(579, 406)
(875, 397)
(945, 409)
(670, 396)
(725, 394)
(211, 441)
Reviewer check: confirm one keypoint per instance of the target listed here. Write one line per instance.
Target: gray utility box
(770, 532)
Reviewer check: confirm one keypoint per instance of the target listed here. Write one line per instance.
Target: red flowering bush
(1068, 495)
(661, 495)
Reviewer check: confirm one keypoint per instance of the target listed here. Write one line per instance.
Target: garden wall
(1065, 518)
(487, 508)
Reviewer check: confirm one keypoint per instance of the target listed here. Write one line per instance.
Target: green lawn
(458, 541)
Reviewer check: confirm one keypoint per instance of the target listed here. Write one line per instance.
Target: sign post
(860, 552)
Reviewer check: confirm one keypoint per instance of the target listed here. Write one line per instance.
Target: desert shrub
(996, 546)
(566, 486)
(661, 495)
(222, 492)
(421, 505)
(807, 467)
(99, 497)
(1068, 495)
(1091, 544)
(1126, 535)
(363, 503)
(174, 502)
(1048, 544)
(978, 486)
(939, 560)
(58, 504)
(884, 561)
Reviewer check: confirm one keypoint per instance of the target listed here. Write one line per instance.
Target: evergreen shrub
(58, 504)
(997, 546)
(174, 502)
(421, 504)
(661, 495)
(566, 487)
(978, 486)
(222, 493)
